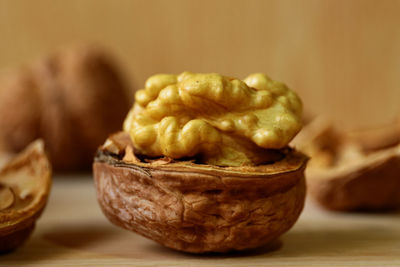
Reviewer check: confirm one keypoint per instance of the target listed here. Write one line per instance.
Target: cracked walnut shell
(352, 171)
(25, 183)
(199, 208)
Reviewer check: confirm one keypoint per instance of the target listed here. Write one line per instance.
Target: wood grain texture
(341, 56)
(73, 232)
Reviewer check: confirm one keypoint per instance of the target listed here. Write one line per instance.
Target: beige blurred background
(342, 57)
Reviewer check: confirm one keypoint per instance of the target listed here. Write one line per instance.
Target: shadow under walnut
(199, 208)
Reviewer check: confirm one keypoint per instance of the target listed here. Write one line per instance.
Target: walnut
(71, 99)
(352, 170)
(196, 207)
(203, 164)
(24, 188)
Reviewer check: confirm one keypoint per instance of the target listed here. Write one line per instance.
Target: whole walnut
(72, 99)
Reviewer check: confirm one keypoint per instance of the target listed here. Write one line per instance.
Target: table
(73, 232)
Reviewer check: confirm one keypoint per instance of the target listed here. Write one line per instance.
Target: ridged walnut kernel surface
(198, 207)
(224, 120)
(24, 188)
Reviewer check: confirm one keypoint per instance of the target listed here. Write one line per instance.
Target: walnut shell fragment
(197, 207)
(346, 173)
(72, 99)
(25, 183)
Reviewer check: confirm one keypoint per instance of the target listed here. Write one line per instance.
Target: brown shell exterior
(374, 185)
(19, 118)
(200, 208)
(11, 241)
(72, 100)
(352, 171)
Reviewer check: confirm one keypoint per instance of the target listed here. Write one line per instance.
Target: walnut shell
(71, 99)
(197, 207)
(346, 173)
(370, 184)
(25, 184)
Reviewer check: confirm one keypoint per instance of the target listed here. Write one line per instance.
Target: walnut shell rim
(199, 208)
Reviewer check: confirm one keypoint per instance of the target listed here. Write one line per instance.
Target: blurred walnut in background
(72, 99)
(352, 171)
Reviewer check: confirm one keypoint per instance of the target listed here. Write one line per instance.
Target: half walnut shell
(352, 171)
(24, 188)
(196, 207)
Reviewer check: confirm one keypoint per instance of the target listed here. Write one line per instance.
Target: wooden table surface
(73, 232)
